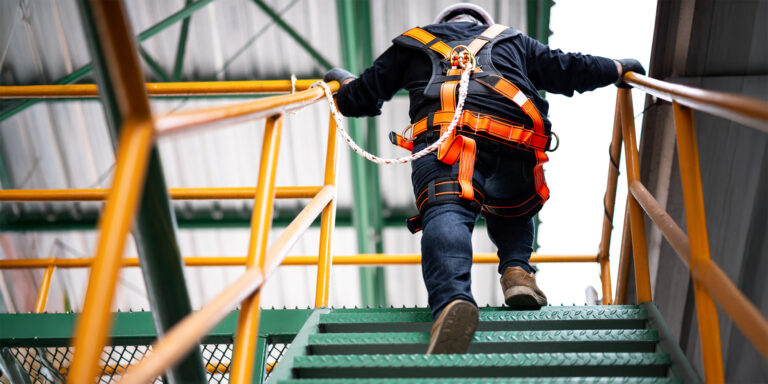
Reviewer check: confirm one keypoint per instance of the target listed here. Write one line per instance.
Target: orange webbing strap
(512, 92)
(489, 34)
(430, 41)
(538, 176)
(398, 140)
(456, 148)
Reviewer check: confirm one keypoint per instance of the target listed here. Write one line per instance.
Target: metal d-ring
(557, 139)
(405, 138)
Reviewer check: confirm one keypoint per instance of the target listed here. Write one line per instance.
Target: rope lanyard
(463, 90)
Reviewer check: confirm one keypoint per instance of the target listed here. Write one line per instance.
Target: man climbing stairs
(598, 344)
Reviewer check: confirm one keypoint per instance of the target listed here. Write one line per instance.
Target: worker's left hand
(628, 65)
(338, 74)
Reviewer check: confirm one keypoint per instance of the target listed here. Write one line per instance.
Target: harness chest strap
(456, 148)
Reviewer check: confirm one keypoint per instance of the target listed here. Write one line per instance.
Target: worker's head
(464, 12)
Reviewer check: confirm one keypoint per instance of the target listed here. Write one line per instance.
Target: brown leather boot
(454, 328)
(520, 290)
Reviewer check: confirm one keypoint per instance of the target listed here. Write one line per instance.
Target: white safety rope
(463, 89)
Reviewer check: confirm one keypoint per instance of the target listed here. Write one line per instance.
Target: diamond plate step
(497, 380)
(549, 318)
(482, 365)
(623, 340)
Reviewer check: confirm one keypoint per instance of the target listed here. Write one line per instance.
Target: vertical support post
(626, 252)
(260, 360)
(248, 320)
(636, 214)
(327, 221)
(690, 173)
(178, 63)
(45, 287)
(123, 95)
(361, 209)
(609, 203)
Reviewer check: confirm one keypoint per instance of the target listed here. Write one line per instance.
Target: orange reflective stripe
(425, 38)
(490, 33)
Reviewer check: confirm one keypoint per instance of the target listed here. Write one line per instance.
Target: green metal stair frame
(601, 344)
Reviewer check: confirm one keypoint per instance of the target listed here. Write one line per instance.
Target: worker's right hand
(338, 74)
(628, 65)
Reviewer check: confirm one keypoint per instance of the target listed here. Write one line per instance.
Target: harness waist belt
(496, 128)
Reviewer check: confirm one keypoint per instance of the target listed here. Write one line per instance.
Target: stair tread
(482, 309)
(579, 313)
(494, 380)
(483, 360)
(602, 335)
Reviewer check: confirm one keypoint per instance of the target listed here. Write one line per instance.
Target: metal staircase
(600, 344)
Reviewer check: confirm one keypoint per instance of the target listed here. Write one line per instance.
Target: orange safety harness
(461, 145)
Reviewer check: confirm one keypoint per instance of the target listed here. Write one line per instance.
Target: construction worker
(493, 162)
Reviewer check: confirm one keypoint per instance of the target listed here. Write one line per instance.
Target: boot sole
(521, 297)
(455, 332)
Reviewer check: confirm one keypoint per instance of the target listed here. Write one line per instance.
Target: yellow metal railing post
(609, 204)
(136, 137)
(261, 222)
(636, 215)
(327, 221)
(690, 173)
(45, 287)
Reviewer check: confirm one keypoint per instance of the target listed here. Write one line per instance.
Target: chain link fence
(50, 364)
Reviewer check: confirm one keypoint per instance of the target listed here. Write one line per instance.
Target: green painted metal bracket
(137, 328)
(298, 347)
(295, 35)
(153, 65)
(681, 367)
(181, 48)
(17, 106)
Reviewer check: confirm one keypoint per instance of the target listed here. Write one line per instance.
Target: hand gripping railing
(708, 279)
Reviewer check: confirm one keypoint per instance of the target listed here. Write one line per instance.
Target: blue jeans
(446, 243)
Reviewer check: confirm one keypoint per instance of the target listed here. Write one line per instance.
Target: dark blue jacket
(530, 65)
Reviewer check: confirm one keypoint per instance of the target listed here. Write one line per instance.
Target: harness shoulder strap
(489, 34)
(419, 38)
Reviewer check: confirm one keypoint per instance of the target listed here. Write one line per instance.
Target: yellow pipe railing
(158, 89)
(184, 335)
(248, 320)
(98, 194)
(708, 279)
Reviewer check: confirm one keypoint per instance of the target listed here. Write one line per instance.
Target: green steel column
(360, 179)
(365, 41)
(155, 230)
(15, 106)
(537, 16)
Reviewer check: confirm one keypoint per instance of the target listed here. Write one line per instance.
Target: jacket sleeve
(563, 73)
(365, 95)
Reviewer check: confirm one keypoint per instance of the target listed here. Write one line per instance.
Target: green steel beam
(153, 65)
(17, 106)
(155, 229)
(181, 48)
(85, 220)
(295, 35)
(134, 328)
(371, 279)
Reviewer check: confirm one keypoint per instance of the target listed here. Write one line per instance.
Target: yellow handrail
(98, 194)
(709, 280)
(158, 89)
(184, 335)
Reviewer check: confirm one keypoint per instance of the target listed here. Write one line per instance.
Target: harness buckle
(462, 57)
